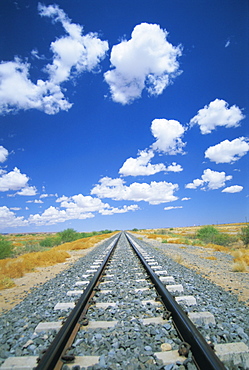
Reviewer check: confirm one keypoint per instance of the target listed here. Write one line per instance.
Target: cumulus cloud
(82, 53)
(9, 219)
(228, 151)
(146, 61)
(153, 193)
(28, 191)
(210, 180)
(83, 204)
(53, 216)
(174, 167)
(3, 154)
(13, 180)
(72, 55)
(124, 209)
(217, 113)
(185, 198)
(233, 189)
(141, 165)
(168, 135)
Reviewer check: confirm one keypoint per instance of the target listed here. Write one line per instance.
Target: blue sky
(123, 114)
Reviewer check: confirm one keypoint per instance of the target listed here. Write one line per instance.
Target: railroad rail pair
(204, 356)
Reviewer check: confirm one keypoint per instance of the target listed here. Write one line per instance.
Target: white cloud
(153, 193)
(124, 209)
(48, 195)
(3, 154)
(9, 219)
(13, 180)
(62, 199)
(146, 61)
(228, 42)
(38, 201)
(217, 114)
(72, 55)
(169, 208)
(141, 165)
(174, 167)
(53, 216)
(185, 198)
(210, 180)
(194, 184)
(28, 191)
(233, 189)
(168, 134)
(17, 91)
(228, 151)
(77, 52)
(84, 204)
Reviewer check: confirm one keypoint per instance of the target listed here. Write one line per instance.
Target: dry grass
(239, 266)
(11, 268)
(6, 282)
(178, 258)
(210, 258)
(241, 260)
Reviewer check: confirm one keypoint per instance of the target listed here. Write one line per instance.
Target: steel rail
(54, 352)
(204, 356)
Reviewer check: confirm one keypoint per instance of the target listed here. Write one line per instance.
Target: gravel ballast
(129, 340)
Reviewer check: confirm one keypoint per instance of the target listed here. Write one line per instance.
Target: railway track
(130, 314)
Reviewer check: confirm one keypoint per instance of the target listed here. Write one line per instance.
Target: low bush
(6, 247)
(50, 241)
(209, 234)
(244, 235)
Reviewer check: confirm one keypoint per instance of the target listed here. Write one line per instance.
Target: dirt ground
(11, 297)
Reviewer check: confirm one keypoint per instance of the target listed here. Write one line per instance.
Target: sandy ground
(11, 297)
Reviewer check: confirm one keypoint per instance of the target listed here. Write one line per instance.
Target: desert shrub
(50, 241)
(209, 234)
(244, 235)
(5, 247)
(68, 235)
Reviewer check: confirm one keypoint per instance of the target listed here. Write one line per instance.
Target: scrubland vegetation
(230, 238)
(18, 258)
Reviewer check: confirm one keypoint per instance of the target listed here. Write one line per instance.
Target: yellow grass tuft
(210, 258)
(239, 266)
(6, 282)
(241, 260)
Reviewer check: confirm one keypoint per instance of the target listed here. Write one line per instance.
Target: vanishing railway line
(126, 318)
